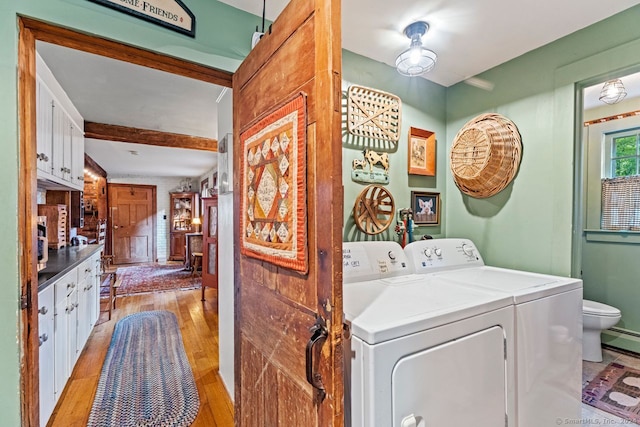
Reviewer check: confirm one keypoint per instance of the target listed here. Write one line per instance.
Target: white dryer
(422, 352)
(548, 326)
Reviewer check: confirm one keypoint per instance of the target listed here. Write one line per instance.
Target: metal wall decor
(373, 113)
(374, 209)
(363, 170)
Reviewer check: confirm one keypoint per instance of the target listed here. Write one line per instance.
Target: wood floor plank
(198, 322)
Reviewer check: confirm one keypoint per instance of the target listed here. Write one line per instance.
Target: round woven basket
(485, 155)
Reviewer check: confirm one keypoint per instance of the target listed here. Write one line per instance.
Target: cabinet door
(44, 134)
(177, 247)
(85, 276)
(77, 157)
(72, 325)
(61, 334)
(210, 242)
(66, 147)
(57, 146)
(47, 353)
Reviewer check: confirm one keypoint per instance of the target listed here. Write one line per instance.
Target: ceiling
(113, 92)
(469, 37)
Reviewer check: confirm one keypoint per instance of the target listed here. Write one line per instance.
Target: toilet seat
(599, 309)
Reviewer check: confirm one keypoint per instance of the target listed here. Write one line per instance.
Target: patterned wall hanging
(273, 201)
(373, 113)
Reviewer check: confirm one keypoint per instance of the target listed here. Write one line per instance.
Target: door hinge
(25, 299)
(24, 302)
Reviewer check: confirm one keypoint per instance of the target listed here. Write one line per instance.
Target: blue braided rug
(146, 378)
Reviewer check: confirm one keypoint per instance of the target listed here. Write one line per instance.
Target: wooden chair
(108, 269)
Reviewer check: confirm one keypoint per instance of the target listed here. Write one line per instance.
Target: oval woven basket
(485, 155)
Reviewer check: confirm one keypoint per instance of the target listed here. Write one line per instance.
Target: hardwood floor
(199, 326)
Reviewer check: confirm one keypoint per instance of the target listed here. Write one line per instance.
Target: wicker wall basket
(485, 155)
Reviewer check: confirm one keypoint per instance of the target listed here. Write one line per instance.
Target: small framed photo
(422, 152)
(426, 208)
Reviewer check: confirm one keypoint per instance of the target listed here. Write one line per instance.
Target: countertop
(62, 261)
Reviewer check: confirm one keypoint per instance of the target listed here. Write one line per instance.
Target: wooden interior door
(209, 243)
(275, 306)
(132, 211)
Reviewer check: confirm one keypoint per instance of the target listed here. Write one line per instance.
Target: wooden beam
(88, 161)
(149, 137)
(111, 49)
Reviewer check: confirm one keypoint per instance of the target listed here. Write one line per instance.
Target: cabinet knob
(43, 157)
(43, 338)
(43, 310)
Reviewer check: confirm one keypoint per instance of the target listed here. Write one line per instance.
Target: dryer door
(459, 383)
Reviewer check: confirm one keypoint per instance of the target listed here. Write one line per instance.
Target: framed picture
(426, 208)
(422, 152)
(204, 188)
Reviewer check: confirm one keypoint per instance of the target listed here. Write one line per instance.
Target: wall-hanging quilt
(485, 155)
(373, 113)
(273, 203)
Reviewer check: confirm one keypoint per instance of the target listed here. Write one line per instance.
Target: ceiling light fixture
(416, 60)
(612, 92)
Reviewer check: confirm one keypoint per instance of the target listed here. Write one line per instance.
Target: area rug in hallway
(146, 379)
(615, 390)
(152, 278)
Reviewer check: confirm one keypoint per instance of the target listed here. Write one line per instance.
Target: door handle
(319, 334)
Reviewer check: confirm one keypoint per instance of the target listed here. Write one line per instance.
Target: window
(621, 184)
(625, 153)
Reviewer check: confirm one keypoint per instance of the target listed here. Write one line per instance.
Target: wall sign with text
(172, 14)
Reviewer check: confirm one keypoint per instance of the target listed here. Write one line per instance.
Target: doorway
(32, 31)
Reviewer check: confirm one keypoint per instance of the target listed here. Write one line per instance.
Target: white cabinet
(44, 135)
(68, 311)
(47, 354)
(77, 157)
(59, 133)
(86, 302)
(63, 288)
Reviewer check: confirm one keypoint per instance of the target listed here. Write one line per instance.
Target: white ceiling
(113, 92)
(469, 37)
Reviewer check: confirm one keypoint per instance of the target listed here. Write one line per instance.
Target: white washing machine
(548, 326)
(422, 353)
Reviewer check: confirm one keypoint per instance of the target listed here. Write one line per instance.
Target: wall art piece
(373, 113)
(422, 152)
(426, 208)
(273, 201)
(485, 155)
(374, 209)
(363, 170)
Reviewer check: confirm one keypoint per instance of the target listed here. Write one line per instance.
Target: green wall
(423, 105)
(529, 224)
(223, 37)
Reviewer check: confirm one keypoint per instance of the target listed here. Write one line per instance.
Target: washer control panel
(429, 256)
(373, 260)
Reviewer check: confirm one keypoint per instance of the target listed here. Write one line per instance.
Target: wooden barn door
(275, 306)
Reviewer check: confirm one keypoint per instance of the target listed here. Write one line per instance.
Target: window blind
(621, 203)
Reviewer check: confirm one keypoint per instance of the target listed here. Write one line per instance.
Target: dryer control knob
(438, 251)
(391, 255)
(409, 421)
(467, 249)
(428, 252)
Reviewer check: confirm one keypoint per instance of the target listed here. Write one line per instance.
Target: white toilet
(596, 317)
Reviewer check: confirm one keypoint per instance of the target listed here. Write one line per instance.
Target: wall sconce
(416, 60)
(612, 92)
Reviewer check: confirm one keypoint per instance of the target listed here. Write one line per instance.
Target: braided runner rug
(146, 378)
